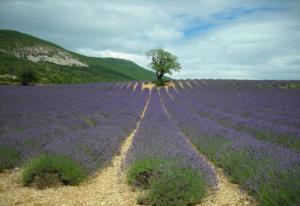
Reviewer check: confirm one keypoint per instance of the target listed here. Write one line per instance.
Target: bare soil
(151, 85)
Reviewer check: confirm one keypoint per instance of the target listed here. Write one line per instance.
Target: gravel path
(108, 187)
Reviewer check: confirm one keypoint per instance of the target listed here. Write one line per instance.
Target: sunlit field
(182, 138)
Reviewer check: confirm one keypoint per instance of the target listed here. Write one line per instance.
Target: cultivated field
(241, 139)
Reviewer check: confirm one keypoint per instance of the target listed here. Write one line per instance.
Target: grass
(166, 184)
(8, 157)
(271, 185)
(68, 171)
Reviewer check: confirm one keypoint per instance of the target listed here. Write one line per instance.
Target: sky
(213, 39)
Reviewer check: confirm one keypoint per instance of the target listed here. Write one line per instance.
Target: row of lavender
(89, 122)
(86, 122)
(269, 114)
(158, 137)
(162, 160)
(272, 101)
(268, 170)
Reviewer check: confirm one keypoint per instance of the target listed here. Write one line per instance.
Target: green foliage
(27, 76)
(160, 82)
(69, 172)
(141, 172)
(289, 85)
(282, 186)
(46, 180)
(177, 187)
(12, 39)
(280, 84)
(8, 157)
(295, 85)
(163, 62)
(99, 70)
(166, 183)
(287, 140)
(213, 147)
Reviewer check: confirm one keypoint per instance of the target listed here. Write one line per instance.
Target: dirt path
(180, 84)
(129, 84)
(106, 188)
(189, 85)
(226, 193)
(150, 85)
(134, 86)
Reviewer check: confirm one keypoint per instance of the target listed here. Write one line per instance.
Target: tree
(12, 74)
(163, 62)
(26, 76)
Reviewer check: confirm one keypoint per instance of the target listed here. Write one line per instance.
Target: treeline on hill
(98, 70)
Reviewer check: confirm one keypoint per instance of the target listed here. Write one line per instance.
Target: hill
(54, 64)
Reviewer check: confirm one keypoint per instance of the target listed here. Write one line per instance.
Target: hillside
(54, 64)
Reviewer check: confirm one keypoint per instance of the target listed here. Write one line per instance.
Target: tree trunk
(159, 75)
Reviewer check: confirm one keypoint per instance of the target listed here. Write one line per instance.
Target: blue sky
(230, 39)
(198, 26)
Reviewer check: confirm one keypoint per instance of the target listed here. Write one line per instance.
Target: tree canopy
(27, 76)
(163, 62)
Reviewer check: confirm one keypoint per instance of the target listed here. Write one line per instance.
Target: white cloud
(255, 39)
(139, 59)
(158, 33)
(254, 48)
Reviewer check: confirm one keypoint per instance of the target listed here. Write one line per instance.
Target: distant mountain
(54, 64)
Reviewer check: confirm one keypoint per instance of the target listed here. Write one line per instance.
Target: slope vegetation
(53, 64)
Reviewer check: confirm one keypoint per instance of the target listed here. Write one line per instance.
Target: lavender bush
(158, 137)
(226, 113)
(86, 122)
(271, 172)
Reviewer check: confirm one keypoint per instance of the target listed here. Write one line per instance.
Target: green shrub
(177, 187)
(287, 140)
(141, 171)
(261, 177)
(68, 171)
(27, 76)
(166, 183)
(160, 82)
(8, 157)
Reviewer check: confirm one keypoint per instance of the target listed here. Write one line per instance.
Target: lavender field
(249, 129)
